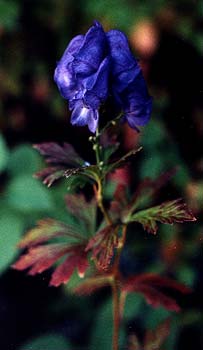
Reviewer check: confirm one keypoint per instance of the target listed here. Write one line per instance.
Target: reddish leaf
(47, 229)
(90, 285)
(76, 260)
(154, 339)
(56, 154)
(155, 289)
(40, 258)
(103, 245)
(51, 174)
(168, 213)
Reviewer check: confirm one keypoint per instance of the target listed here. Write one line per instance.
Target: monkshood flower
(128, 85)
(96, 65)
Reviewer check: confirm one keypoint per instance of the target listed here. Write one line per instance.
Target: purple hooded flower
(128, 85)
(96, 64)
(82, 76)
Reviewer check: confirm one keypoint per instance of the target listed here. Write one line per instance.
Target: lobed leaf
(102, 245)
(56, 154)
(168, 213)
(47, 229)
(64, 163)
(41, 258)
(155, 289)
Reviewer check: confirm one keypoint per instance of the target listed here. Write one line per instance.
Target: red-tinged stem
(116, 315)
(116, 292)
(100, 203)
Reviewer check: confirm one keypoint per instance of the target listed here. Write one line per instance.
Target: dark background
(167, 38)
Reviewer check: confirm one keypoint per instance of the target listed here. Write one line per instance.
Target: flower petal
(83, 115)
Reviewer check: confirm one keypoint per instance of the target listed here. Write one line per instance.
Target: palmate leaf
(64, 162)
(102, 245)
(40, 258)
(155, 289)
(47, 229)
(168, 213)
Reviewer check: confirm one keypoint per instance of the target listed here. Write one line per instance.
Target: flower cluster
(95, 66)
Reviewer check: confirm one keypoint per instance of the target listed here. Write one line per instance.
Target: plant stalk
(116, 315)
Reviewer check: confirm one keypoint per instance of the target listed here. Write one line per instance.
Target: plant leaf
(103, 244)
(40, 258)
(168, 213)
(77, 259)
(154, 339)
(56, 154)
(155, 289)
(63, 162)
(47, 229)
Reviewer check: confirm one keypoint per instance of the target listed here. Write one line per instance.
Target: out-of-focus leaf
(27, 194)
(83, 210)
(155, 289)
(102, 245)
(168, 213)
(132, 306)
(11, 229)
(24, 160)
(47, 229)
(4, 154)
(47, 342)
(154, 163)
(56, 154)
(154, 339)
(9, 13)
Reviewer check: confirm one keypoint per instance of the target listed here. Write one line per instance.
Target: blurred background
(167, 38)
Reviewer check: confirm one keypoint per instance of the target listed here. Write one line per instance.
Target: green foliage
(11, 229)
(9, 14)
(27, 194)
(4, 154)
(47, 342)
(24, 160)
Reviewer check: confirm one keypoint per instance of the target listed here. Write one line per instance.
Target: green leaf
(47, 342)
(24, 160)
(27, 194)
(9, 12)
(4, 154)
(132, 306)
(168, 213)
(11, 229)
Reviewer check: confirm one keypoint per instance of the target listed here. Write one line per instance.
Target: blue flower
(96, 65)
(128, 85)
(82, 76)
